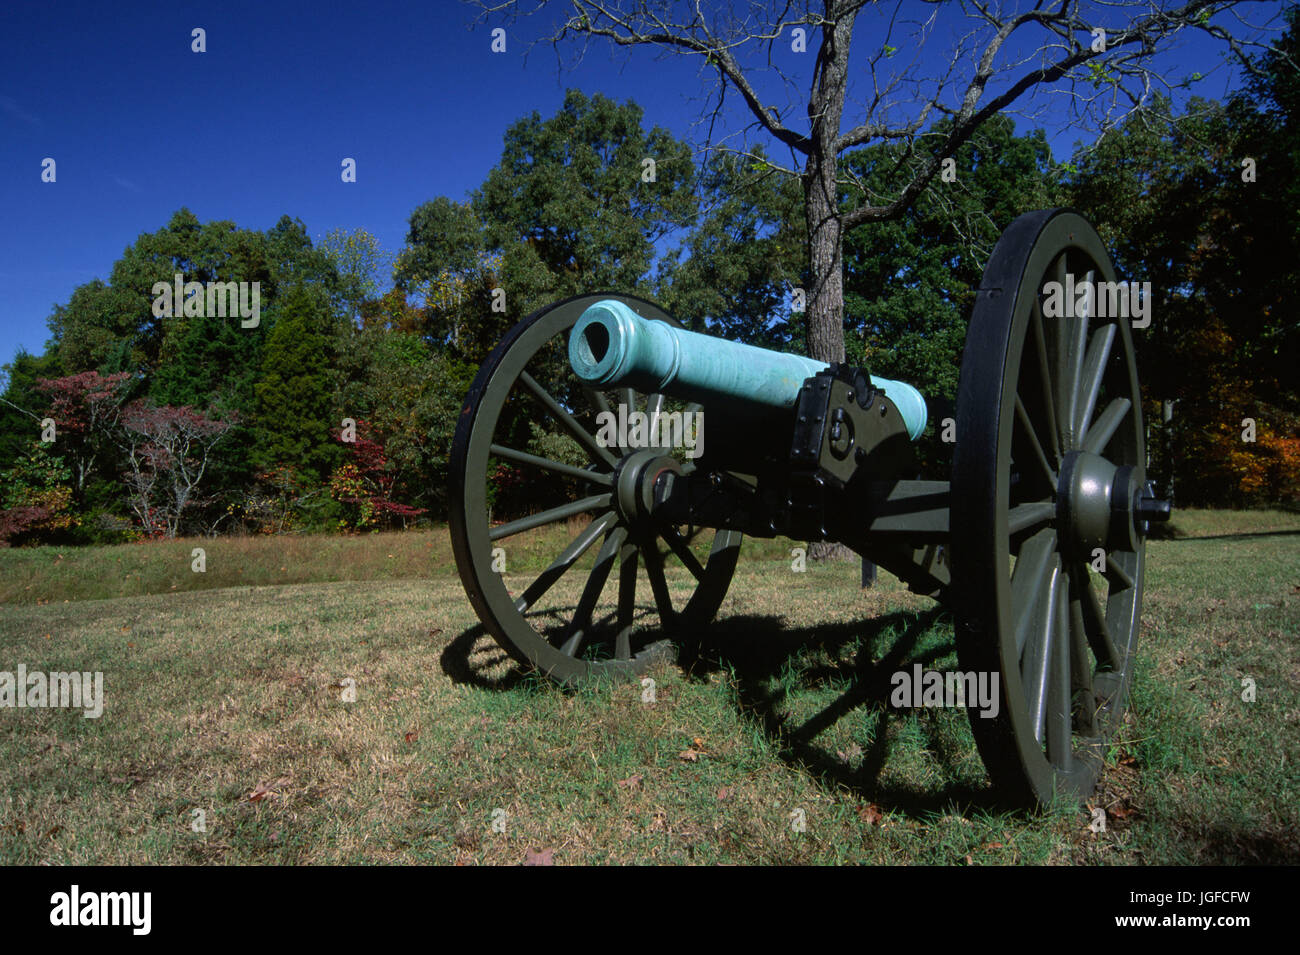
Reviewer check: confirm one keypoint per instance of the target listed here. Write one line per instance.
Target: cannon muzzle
(611, 346)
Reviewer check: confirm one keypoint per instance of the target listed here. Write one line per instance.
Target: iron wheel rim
(1044, 744)
(635, 543)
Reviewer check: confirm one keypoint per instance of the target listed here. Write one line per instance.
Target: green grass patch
(773, 743)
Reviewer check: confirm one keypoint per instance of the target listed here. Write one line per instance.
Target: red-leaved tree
(167, 450)
(85, 408)
(366, 485)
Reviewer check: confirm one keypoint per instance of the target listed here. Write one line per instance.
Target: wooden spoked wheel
(1049, 508)
(527, 442)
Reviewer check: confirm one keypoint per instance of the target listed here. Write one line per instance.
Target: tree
(1219, 244)
(21, 403)
(910, 283)
(365, 484)
(35, 499)
(359, 261)
(295, 393)
(999, 58)
(167, 451)
(587, 193)
(577, 202)
(85, 409)
(743, 258)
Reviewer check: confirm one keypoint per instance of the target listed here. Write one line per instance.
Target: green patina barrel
(612, 346)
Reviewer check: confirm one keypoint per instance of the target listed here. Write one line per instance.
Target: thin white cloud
(10, 106)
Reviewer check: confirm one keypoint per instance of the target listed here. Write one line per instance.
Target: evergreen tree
(295, 393)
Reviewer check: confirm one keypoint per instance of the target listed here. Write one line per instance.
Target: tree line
(336, 410)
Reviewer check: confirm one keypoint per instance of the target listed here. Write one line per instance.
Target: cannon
(571, 438)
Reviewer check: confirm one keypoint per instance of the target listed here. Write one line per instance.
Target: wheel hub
(634, 483)
(1085, 496)
(1100, 505)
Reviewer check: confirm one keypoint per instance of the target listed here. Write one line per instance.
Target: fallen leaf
(542, 857)
(992, 845)
(632, 782)
(689, 755)
(849, 753)
(412, 736)
(871, 814)
(725, 792)
(266, 790)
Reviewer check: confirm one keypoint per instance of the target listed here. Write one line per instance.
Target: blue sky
(258, 125)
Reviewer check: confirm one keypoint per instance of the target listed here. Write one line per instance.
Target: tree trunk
(826, 297)
(825, 303)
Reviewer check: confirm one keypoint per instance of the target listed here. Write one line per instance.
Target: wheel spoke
(1024, 516)
(628, 397)
(626, 601)
(678, 545)
(1117, 574)
(592, 590)
(567, 421)
(1029, 580)
(1093, 619)
(1083, 702)
(1058, 692)
(1027, 428)
(546, 464)
(597, 399)
(653, 406)
(1107, 424)
(1045, 378)
(1034, 668)
(1072, 343)
(550, 516)
(1094, 369)
(577, 547)
(654, 569)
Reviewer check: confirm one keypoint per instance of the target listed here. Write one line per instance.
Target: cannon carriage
(1036, 542)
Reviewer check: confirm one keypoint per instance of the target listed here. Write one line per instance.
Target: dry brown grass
(218, 696)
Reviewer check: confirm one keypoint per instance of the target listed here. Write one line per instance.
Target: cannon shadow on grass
(762, 652)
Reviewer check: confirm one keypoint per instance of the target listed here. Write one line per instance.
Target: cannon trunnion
(659, 448)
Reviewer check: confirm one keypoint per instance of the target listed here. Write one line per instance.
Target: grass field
(225, 694)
